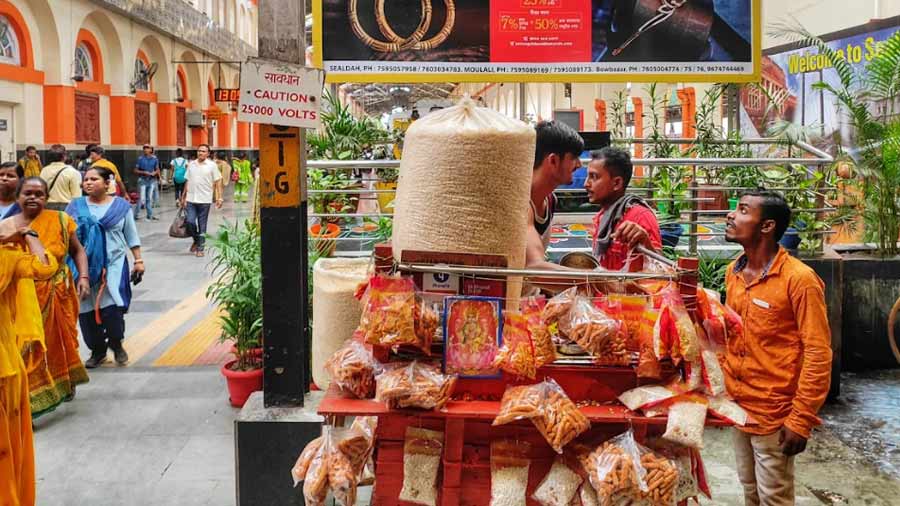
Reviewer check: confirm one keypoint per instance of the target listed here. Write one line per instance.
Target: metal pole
(523, 95)
(286, 362)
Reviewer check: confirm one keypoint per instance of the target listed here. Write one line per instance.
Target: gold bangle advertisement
(537, 40)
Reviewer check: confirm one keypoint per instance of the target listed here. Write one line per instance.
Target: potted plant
(237, 291)
(387, 187)
(870, 272)
(669, 181)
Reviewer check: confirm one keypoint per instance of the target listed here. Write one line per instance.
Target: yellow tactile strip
(193, 344)
(142, 342)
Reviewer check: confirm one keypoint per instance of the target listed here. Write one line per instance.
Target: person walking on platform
(179, 166)
(243, 179)
(31, 163)
(224, 169)
(63, 180)
(56, 367)
(147, 170)
(107, 230)
(203, 187)
(10, 174)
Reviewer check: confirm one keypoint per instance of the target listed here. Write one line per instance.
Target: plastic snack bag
(592, 329)
(559, 487)
(301, 467)
(615, 470)
(353, 369)
(631, 312)
(648, 362)
(516, 356)
(683, 341)
(588, 495)
(421, 464)
(728, 410)
(416, 385)
(315, 480)
(711, 311)
(544, 349)
(550, 410)
(687, 418)
(687, 486)
(509, 472)
(661, 478)
(646, 396)
(394, 316)
(558, 307)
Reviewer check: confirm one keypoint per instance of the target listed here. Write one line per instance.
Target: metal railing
(813, 162)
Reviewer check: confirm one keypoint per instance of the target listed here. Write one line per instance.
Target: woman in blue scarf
(107, 230)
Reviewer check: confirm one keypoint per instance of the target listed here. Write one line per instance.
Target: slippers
(200, 253)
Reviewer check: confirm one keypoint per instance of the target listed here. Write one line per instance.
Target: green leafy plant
(877, 135)
(335, 202)
(669, 181)
(237, 288)
(344, 136)
(617, 108)
(711, 272)
(385, 228)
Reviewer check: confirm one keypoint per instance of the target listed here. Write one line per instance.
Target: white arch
(165, 72)
(192, 72)
(112, 49)
(46, 42)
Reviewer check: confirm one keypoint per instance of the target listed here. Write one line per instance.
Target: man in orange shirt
(779, 370)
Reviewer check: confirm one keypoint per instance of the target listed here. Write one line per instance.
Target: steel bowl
(579, 260)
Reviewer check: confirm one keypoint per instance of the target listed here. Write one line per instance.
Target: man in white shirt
(63, 181)
(202, 187)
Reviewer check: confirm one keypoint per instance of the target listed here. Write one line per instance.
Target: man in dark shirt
(147, 170)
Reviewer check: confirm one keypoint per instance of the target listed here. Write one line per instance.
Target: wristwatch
(32, 233)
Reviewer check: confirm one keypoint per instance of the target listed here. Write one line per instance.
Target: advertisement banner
(789, 78)
(537, 40)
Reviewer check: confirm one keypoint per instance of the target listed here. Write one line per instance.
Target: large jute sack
(336, 311)
(464, 186)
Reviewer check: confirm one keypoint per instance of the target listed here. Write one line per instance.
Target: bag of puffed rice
(559, 486)
(687, 419)
(421, 464)
(509, 472)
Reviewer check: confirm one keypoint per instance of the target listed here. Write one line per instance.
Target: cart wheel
(892, 320)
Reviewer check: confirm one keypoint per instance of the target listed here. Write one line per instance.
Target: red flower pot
(241, 383)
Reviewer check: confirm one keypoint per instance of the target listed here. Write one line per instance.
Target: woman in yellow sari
(59, 369)
(20, 328)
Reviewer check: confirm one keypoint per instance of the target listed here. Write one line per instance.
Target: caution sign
(279, 166)
(280, 94)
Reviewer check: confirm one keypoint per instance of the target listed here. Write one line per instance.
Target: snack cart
(466, 420)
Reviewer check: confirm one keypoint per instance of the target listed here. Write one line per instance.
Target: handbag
(178, 228)
(235, 176)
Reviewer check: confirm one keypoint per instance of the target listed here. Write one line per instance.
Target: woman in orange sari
(20, 328)
(59, 368)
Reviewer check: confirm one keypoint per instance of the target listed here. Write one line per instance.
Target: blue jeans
(197, 216)
(147, 187)
(155, 193)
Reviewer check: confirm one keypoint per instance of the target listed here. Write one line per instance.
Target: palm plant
(877, 136)
(237, 288)
(669, 183)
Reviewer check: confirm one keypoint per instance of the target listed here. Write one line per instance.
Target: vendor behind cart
(625, 221)
(556, 158)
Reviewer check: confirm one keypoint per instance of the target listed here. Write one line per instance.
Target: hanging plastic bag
(421, 463)
(615, 470)
(646, 396)
(559, 486)
(687, 486)
(730, 411)
(301, 467)
(596, 332)
(687, 420)
(682, 343)
(516, 356)
(544, 349)
(648, 362)
(353, 369)
(509, 472)
(416, 385)
(631, 312)
(711, 312)
(587, 495)
(558, 307)
(549, 409)
(315, 479)
(661, 479)
(615, 352)
(394, 316)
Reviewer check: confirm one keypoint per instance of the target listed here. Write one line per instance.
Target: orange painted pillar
(688, 99)
(223, 132)
(121, 120)
(166, 130)
(638, 131)
(59, 109)
(600, 107)
(199, 135)
(243, 134)
(255, 140)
